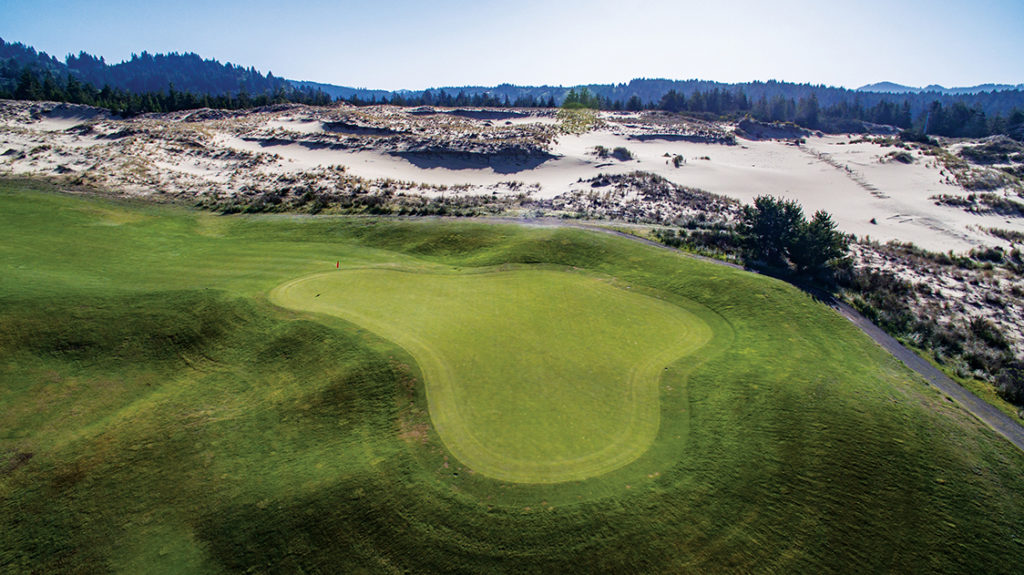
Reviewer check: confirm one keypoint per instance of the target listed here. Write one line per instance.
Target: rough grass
(157, 414)
(577, 120)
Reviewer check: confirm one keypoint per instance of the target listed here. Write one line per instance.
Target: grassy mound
(158, 413)
(136, 416)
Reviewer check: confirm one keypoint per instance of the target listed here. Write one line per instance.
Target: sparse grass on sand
(158, 413)
(577, 120)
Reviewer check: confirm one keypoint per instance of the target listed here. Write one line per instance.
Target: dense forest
(169, 82)
(146, 83)
(142, 73)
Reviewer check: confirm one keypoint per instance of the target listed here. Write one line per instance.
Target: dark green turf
(158, 414)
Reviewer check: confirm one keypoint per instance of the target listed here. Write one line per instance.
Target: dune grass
(158, 413)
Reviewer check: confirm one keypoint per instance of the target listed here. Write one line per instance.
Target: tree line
(952, 120)
(171, 82)
(126, 103)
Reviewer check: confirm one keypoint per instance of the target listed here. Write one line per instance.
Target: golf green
(532, 375)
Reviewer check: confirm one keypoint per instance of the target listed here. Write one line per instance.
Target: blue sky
(393, 44)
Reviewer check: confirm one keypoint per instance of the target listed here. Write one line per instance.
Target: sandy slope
(850, 181)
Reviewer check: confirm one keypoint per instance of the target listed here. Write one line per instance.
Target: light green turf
(535, 376)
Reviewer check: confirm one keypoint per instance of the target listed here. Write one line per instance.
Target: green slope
(159, 414)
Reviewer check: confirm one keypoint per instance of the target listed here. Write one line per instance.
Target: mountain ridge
(894, 88)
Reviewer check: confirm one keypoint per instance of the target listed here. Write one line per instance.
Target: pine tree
(28, 87)
(818, 245)
(771, 226)
(808, 112)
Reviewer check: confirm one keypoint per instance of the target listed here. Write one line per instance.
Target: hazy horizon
(400, 44)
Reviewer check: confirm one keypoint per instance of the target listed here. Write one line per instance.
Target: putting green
(532, 375)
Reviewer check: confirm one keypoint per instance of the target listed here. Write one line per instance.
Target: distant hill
(20, 55)
(651, 91)
(187, 72)
(342, 92)
(143, 73)
(892, 88)
(889, 88)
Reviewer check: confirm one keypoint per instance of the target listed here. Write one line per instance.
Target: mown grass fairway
(159, 413)
(534, 376)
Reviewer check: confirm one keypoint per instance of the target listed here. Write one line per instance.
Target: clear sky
(391, 44)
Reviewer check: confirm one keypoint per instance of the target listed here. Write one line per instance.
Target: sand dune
(868, 197)
(852, 178)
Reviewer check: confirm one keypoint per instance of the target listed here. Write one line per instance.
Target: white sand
(529, 120)
(297, 125)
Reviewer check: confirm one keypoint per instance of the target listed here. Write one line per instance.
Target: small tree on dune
(577, 100)
(776, 233)
(770, 226)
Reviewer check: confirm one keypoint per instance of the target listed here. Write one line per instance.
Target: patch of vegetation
(916, 137)
(577, 120)
(972, 348)
(622, 154)
(995, 150)
(900, 156)
(578, 113)
(1012, 236)
(1015, 171)
(978, 179)
(984, 180)
(360, 200)
(642, 197)
(983, 203)
(712, 239)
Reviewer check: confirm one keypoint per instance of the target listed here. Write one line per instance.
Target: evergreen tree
(28, 87)
(818, 245)
(672, 101)
(771, 226)
(807, 112)
(777, 234)
(905, 118)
